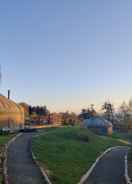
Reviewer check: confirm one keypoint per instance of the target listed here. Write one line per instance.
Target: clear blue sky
(66, 53)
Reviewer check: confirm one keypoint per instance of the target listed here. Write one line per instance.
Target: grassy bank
(67, 153)
(3, 140)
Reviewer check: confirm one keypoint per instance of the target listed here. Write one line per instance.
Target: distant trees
(130, 105)
(126, 113)
(69, 118)
(108, 109)
(38, 110)
(88, 113)
(122, 117)
(124, 109)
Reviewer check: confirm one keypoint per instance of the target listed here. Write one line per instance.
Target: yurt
(11, 114)
(98, 125)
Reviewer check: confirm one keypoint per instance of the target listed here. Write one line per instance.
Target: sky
(66, 54)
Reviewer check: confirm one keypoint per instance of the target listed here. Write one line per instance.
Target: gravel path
(110, 169)
(21, 168)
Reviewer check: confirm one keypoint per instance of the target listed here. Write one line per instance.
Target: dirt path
(21, 168)
(110, 169)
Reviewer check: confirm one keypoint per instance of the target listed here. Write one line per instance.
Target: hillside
(67, 153)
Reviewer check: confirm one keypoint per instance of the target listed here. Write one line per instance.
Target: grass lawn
(67, 153)
(5, 138)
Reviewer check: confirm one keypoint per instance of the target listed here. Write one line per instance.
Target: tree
(39, 110)
(83, 111)
(88, 113)
(125, 111)
(124, 108)
(130, 104)
(109, 111)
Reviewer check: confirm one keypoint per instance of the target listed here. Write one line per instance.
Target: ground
(110, 169)
(128, 137)
(67, 153)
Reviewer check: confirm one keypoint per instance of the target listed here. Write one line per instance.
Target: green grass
(5, 138)
(116, 135)
(130, 155)
(123, 136)
(1, 180)
(127, 136)
(67, 153)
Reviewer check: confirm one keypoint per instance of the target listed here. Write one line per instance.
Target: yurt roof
(97, 122)
(9, 106)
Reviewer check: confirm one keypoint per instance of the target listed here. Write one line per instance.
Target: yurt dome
(11, 114)
(97, 122)
(99, 125)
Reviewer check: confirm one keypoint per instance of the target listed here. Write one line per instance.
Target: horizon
(66, 55)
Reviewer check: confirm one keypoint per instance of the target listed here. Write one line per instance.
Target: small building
(98, 125)
(55, 118)
(11, 114)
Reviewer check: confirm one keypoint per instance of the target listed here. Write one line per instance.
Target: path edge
(88, 173)
(5, 168)
(44, 174)
(127, 178)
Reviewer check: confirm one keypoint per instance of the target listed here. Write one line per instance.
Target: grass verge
(3, 140)
(67, 153)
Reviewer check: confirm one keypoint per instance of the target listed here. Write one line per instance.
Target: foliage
(88, 113)
(126, 113)
(109, 111)
(39, 110)
(1, 180)
(69, 118)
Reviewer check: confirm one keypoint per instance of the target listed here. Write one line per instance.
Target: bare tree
(130, 104)
(0, 74)
(109, 111)
(125, 111)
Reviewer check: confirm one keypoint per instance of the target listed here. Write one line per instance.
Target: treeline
(107, 112)
(39, 110)
(121, 115)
